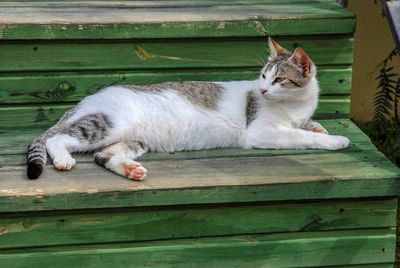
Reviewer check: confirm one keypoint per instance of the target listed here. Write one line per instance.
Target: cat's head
(287, 75)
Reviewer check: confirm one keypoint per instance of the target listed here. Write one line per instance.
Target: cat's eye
(278, 80)
(263, 75)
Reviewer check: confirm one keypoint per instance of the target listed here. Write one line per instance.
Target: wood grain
(292, 177)
(106, 226)
(170, 19)
(314, 249)
(162, 54)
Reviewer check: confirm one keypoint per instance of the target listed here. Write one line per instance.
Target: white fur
(167, 122)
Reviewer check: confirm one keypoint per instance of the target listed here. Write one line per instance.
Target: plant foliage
(384, 129)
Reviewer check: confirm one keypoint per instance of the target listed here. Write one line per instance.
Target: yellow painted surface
(373, 42)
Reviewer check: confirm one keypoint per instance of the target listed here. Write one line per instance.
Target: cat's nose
(263, 90)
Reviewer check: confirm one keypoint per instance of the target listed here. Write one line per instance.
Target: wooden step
(170, 19)
(209, 177)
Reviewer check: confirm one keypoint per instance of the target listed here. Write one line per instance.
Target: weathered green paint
(375, 265)
(63, 228)
(153, 19)
(219, 180)
(207, 208)
(176, 53)
(306, 249)
(63, 87)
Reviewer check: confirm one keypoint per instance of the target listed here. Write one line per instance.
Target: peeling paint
(92, 191)
(49, 30)
(3, 230)
(17, 227)
(260, 28)
(9, 192)
(145, 55)
(221, 25)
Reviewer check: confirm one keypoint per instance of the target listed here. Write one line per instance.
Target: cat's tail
(37, 156)
(37, 153)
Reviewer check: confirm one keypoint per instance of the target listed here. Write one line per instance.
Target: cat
(121, 123)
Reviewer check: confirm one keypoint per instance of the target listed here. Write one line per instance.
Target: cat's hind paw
(135, 171)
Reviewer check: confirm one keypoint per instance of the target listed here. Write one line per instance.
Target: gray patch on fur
(292, 73)
(251, 107)
(203, 94)
(92, 128)
(135, 145)
(103, 156)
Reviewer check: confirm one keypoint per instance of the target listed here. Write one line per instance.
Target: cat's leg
(119, 158)
(315, 127)
(59, 147)
(292, 138)
(85, 134)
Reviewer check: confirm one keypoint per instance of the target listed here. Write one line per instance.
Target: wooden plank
(93, 226)
(127, 19)
(375, 265)
(221, 180)
(177, 53)
(189, 173)
(61, 87)
(276, 250)
(43, 116)
(149, 4)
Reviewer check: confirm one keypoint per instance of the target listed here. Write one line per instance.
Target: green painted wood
(177, 53)
(150, 19)
(276, 250)
(219, 180)
(91, 226)
(375, 265)
(42, 116)
(62, 87)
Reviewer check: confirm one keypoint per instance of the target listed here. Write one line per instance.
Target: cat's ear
(301, 59)
(275, 49)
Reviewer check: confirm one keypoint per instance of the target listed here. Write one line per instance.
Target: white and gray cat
(121, 123)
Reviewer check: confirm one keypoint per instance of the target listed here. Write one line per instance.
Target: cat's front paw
(337, 142)
(64, 162)
(317, 127)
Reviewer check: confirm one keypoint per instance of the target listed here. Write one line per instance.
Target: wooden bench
(216, 208)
